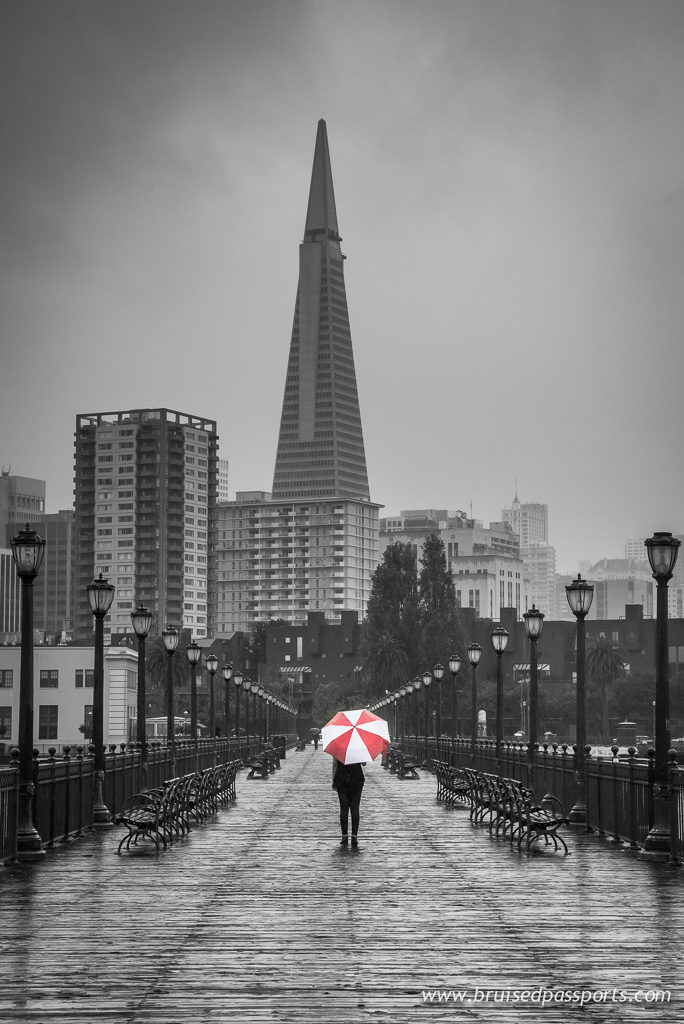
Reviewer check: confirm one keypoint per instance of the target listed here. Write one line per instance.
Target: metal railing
(618, 790)
(64, 784)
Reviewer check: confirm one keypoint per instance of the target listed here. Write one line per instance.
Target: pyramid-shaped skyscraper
(320, 445)
(310, 545)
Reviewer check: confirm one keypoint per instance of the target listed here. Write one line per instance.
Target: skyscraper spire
(320, 444)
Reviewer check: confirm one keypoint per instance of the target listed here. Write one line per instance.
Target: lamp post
(427, 680)
(662, 550)
(142, 620)
(194, 653)
(454, 666)
(247, 687)
(28, 550)
(402, 714)
(170, 636)
(227, 672)
(408, 713)
(499, 638)
(212, 665)
(258, 709)
(580, 594)
(438, 673)
(417, 683)
(534, 623)
(474, 654)
(237, 683)
(100, 596)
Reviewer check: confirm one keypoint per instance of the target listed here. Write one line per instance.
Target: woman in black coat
(348, 780)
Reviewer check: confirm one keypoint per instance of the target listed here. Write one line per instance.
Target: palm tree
(385, 662)
(156, 668)
(605, 664)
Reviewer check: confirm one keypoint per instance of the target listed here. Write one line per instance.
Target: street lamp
(247, 687)
(454, 666)
(100, 596)
(28, 550)
(474, 653)
(237, 683)
(194, 653)
(427, 680)
(499, 638)
(170, 636)
(409, 708)
(142, 620)
(227, 672)
(580, 594)
(212, 665)
(438, 673)
(662, 549)
(402, 714)
(534, 623)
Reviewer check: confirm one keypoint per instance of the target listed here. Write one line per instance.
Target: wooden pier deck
(259, 916)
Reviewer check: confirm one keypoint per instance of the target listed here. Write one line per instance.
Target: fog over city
(509, 179)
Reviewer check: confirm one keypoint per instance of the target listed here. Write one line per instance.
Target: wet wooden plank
(258, 916)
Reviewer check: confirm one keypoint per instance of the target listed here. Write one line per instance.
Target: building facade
(530, 520)
(10, 599)
(52, 596)
(144, 513)
(22, 501)
(281, 560)
(462, 536)
(63, 695)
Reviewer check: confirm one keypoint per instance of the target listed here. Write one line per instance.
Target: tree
(156, 668)
(257, 640)
(390, 641)
(440, 627)
(605, 665)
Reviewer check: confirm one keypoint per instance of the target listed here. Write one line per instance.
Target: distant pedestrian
(315, 739)
(348, 780)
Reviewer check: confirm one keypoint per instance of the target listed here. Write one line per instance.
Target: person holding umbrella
(352, 738)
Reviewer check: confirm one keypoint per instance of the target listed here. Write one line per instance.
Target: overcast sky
(509, 177)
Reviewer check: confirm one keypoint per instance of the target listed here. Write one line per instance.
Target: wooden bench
(162, 815)
(511, 811)
(452, 784)
(407, 767)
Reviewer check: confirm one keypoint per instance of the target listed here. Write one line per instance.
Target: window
(5, 723)
(85, 677)
(6, 678)
(48, 716)
(49, 677)
(88, 722)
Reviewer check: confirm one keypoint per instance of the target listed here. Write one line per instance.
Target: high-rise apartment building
(144, 506)
(311, 544)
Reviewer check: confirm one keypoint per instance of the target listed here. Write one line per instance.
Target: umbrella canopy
(355, 736)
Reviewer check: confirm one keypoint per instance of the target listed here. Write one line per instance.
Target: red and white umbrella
(355, 736)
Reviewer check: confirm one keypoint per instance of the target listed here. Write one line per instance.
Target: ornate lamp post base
(657, 842)
(29, 845)
(101, 816)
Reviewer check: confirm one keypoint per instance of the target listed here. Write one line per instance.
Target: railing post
(53, 769)
(633, 831)
(675, 824)
(616, 803)
(66, 751)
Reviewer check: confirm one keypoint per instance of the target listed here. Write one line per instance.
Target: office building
(52, 594)
(22, 501)
(144, 506)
